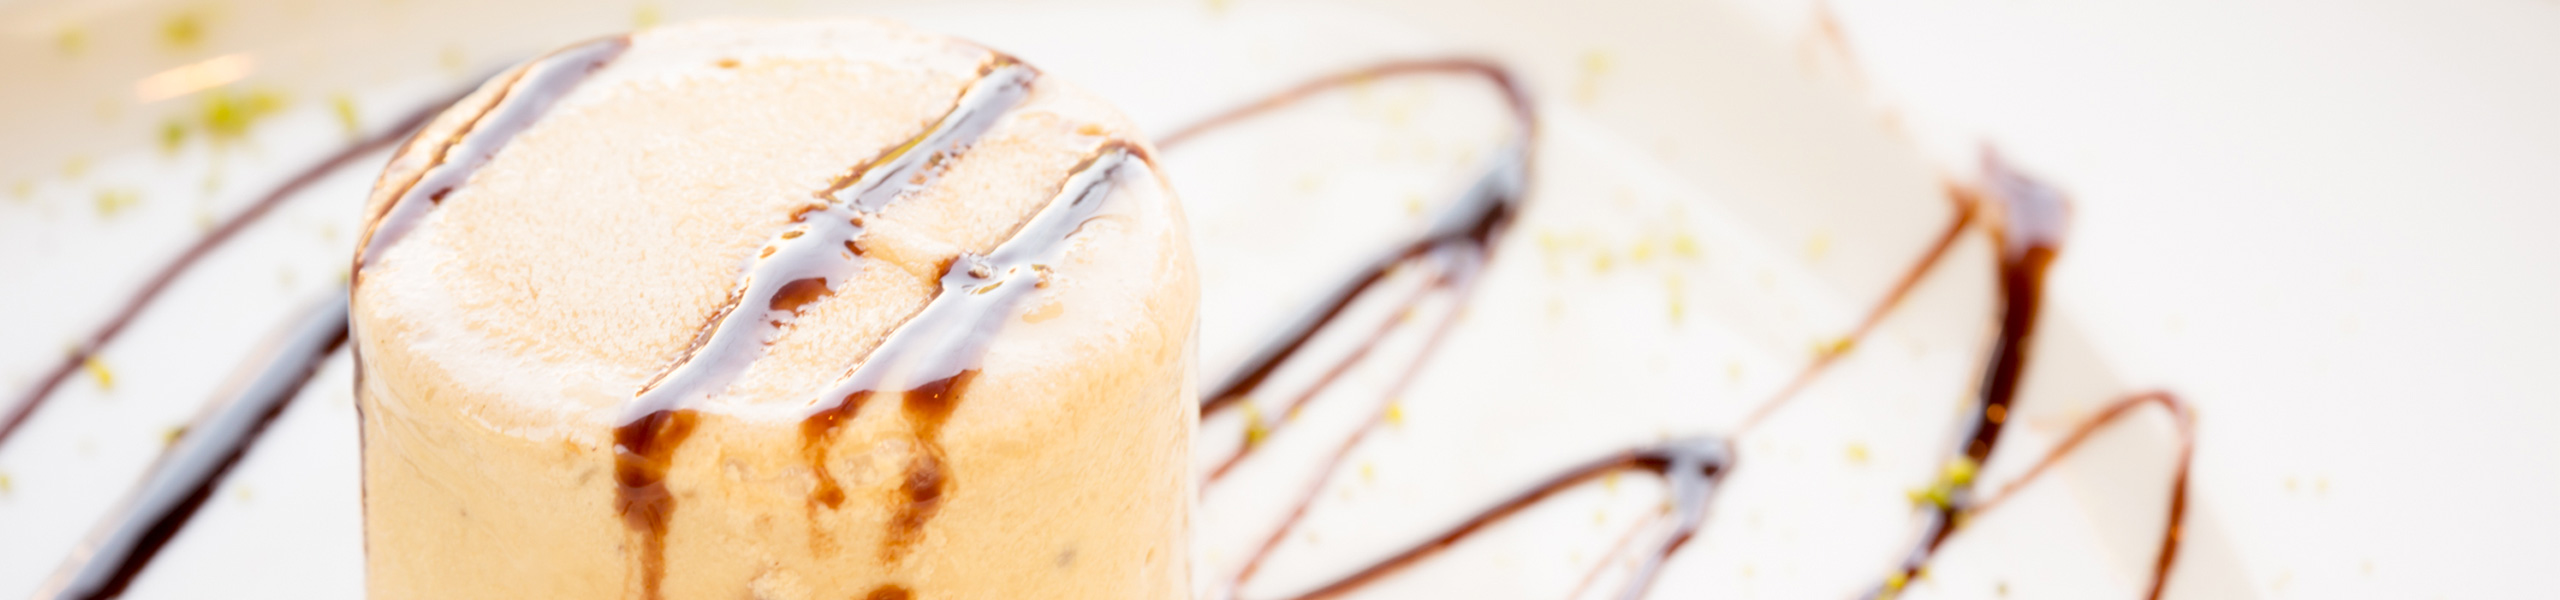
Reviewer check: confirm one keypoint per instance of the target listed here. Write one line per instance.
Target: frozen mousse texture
(776, 310)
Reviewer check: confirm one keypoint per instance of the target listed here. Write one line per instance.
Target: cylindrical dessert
(776, 310)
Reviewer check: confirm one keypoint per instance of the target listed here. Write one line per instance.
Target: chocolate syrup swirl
(1476, 218)
(811, 259)
(520, 105)
(2030, 233)
(929, 360)
(2033, 220)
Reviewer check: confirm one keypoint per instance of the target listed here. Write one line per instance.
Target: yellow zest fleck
(1218, 7)
(111, 202)
(76, 167)
(1595, 65)
(183, 30)
(1609, 482)
(1254, 428)
(227, 115)
(22, 191)
(1960, 471)
(1685, 245)
(1818, 246)
(645, 17)
(1834, 347)
(453, 59)
(1643, 251)
(169, 437)
(1600, 517)
(1368, 472)
(1733, 371)
(344, 107)
(1601, 262)
(1413, 205)
(172, 135)
(5, 485)
(1395, 414)
(70, 41)
(1857, 453)
(1895, 581)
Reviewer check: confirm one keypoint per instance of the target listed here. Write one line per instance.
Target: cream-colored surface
(500, 340)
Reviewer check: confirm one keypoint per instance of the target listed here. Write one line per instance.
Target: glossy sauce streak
(809, 260)
(1477, 216)
(185, 476)
(353, 155)
(1692, 467)
(930, 359)
(2030, 233)
(518, 107)
(821, 249)
(2034, 217)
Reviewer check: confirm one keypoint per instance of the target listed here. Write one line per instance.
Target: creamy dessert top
(544, 290)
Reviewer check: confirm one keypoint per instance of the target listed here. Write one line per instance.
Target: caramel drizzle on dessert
(2030, 235)
(809, 260)
(930, 359)
(520, 104)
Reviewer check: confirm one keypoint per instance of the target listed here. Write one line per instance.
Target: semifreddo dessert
(776, 310)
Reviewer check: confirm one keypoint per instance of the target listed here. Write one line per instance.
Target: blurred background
(2329, 225)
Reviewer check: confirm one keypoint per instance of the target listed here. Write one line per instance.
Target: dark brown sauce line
(2030, 230)
(1285, 342)
(1965, 205)
(2179, 414)
(186, 260)
(930, 358)
(1287, 413)
(800, 265)
(1616, 549)
(2000, 378)
(519, 106)
(1701, 460)
(1459, 291)
(812, 255)
(180, 482)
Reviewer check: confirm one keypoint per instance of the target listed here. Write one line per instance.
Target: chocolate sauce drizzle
(930, 359)
(181, 483)
(2030, 233)
(520, 104)
(185, 476)
(2032, 225)
(1478, 215)
(36, 395)
(810, 260)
